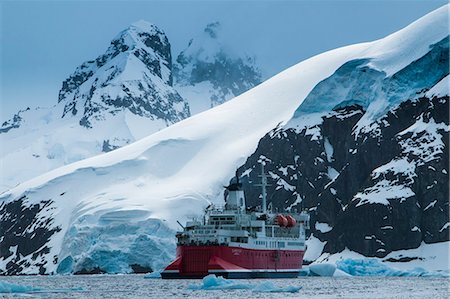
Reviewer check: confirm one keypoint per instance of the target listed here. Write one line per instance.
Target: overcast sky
(42, 42)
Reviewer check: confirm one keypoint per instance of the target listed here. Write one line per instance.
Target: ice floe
(373, 267)
(7, 287)
(269, 287)
(212, 282)
(153, 275)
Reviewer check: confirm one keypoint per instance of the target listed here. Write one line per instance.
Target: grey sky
(42, 42)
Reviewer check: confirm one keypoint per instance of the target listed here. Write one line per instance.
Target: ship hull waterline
(196, 262)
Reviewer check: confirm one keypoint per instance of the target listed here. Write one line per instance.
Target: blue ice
(7, 287)
(212, 282)
(269, 287)
(153, 275)
(326, 270)
(373, 267)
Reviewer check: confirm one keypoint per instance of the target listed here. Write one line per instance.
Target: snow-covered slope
(120, 207)
(209, 71)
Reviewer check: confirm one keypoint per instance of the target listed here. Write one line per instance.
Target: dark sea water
(136, 286)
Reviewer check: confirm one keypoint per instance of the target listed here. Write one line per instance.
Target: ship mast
(263, 187)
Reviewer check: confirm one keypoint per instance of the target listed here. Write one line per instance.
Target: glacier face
(357, 83)
(94, 244)
(173, 174)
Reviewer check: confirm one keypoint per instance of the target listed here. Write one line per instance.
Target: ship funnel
(235, 199)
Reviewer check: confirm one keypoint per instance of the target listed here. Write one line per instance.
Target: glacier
(356, 83)
(91, 244)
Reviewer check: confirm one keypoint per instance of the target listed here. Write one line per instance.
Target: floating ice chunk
(269, 287)
(7, 287)
(373, 267)
(326, 270)
(153, 275)
(340, 273)
(211, 282)
(366, 267)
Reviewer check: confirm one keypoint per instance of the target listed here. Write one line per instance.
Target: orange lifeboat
(281, 220)
(291, 222)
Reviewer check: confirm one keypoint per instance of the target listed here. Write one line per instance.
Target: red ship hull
(233, 262)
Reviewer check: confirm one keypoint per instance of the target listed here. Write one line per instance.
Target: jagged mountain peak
(143, 35)
(145, 26)
(134, 74)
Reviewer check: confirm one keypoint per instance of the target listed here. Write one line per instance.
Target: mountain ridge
(123, 95)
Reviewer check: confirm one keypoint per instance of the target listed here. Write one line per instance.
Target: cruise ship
(234, 242)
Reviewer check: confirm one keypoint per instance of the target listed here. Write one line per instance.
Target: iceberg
(7, 287)
(366, 267)
(373, 267)
(326, 270)
(212, 282)
(340, 273)
(153, 275)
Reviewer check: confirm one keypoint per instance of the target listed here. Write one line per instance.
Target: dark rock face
(379, 190)
(25, 230)
(300, 178)
(12, 123)
(134, 74)
(138, 269)
(107, 146)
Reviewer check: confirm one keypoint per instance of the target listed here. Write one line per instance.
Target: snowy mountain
(135, 74)
(369, 160)
(368, 145)
(123, 95)
(209, 72)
